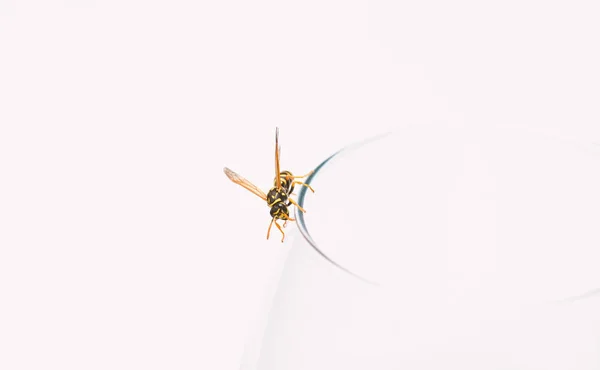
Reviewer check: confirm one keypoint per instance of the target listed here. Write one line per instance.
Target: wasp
(279, 196)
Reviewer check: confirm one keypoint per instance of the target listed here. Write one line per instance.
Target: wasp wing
(277, 152)
(244, 183)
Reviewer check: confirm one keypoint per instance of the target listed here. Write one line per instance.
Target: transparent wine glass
(438, 247)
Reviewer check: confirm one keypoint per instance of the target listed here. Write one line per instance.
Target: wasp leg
(289, 177)
(301, 183)
(271, 224)
(280, 229)
(301, 177)
(297, 205)
(288, 219)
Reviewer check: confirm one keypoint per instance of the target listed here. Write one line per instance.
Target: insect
(279, 196)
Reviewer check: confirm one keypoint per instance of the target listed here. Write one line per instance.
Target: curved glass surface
(300, 216)
(437, 247)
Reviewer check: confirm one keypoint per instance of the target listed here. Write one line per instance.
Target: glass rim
(300, 221)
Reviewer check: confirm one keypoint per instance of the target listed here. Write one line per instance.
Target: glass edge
(301, 195)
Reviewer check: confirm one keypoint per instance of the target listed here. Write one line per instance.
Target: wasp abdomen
(286, 179)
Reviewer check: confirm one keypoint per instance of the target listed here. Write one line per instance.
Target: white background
(123, 245)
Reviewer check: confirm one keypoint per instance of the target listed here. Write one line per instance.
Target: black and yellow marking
(287, 181)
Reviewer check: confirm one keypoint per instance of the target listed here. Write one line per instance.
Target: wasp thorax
(276, 196)
(280, 210)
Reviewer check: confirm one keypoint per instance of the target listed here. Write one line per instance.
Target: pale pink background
(123, 245)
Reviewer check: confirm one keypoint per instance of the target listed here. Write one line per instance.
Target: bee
(279, 196)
